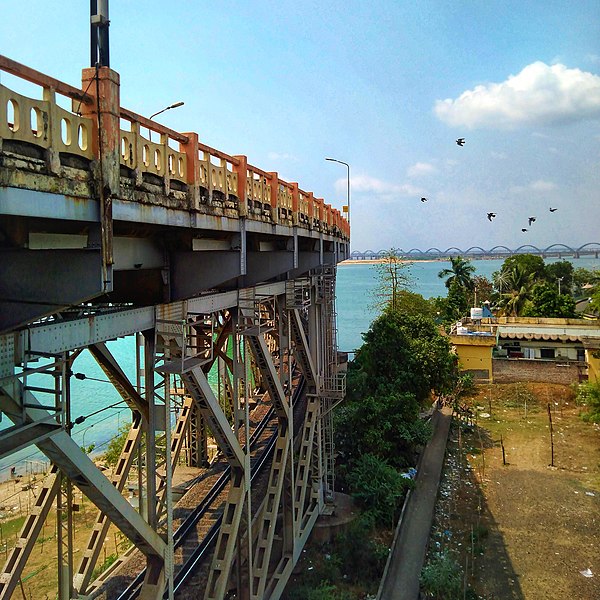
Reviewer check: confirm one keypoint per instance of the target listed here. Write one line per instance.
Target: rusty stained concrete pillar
(103, 85)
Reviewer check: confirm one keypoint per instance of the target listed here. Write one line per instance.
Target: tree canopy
(461, 271)
(545, 301)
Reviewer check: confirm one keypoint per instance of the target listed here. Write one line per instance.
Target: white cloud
(419, 169)
(539, 94)
(366, 184)
(535, 186)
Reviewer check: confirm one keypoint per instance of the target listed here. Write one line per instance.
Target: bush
(441, 578)
(377, 488)
(589, 395)
(356, 547)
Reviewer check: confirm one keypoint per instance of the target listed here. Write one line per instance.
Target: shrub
(589, 395)
(377, 488)
(356, 547)
(441, 578)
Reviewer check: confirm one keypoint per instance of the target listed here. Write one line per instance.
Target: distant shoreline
(377, 261)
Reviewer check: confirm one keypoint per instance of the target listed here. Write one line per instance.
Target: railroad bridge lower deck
(219, 269)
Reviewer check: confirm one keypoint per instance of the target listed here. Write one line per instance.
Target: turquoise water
(355, 286)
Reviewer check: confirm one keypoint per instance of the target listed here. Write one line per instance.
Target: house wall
(475, 356)
(540, 371)
(594, 364)
(533, 349)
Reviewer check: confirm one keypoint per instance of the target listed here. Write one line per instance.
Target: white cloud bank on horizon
(371, 185)
(539, 95)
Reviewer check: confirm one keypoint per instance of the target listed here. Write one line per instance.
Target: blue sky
(385, 86)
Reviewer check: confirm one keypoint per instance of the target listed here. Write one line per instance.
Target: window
(547, 353)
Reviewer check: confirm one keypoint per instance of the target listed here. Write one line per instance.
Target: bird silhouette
(523, 229)
(553, 209)
(423, 199)
(491, 216)
(531, 220)
(460, 141)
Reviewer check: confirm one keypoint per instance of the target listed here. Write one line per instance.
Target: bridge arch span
(588, 245)
(558, 247)
(521, 249)
(458, 250)
(500, 248)
(481, 250)
(415, 251)
(432, 250)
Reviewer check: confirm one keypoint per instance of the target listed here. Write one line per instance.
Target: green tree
(585, 282)
(386, 426)
(460, 271)
(454, 306)
(413, 303)
(518, 284)
(378, 488)
(394, 277)
(484, 288)
(407, 352)
(529, 264)
(561, 270)
(545, 301)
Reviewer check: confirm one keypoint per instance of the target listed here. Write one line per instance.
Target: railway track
(199, 525)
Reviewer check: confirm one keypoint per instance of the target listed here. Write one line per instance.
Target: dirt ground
(524, 529)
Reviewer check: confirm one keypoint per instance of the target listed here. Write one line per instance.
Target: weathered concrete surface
(401, 580)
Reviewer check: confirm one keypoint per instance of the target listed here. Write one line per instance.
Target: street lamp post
(559, 280)
(176, 105)
(348, 167)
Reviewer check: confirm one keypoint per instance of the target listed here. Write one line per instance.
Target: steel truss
(269, 345)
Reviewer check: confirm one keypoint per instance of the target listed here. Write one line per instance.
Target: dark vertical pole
(99, 22)
(93, 34)
(551, 435)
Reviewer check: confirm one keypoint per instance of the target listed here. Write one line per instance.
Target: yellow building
(529, 349)
(475, 355)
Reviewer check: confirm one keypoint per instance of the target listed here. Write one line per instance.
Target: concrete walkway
(401, 577)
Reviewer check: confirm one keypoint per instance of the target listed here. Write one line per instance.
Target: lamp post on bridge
(348, 167)
(175, 105)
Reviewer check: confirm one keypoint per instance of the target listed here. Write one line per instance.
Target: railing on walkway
(173, 160)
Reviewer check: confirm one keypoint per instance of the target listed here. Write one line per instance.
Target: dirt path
(524, 530)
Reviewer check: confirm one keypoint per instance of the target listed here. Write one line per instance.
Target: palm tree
(517, 285)
(460, 271)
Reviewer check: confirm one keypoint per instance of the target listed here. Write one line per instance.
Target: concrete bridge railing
(190, 172)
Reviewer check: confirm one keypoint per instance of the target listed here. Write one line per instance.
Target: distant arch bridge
(500, 251)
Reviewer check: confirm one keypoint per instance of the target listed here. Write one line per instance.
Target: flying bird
(423, 199)
(460, 141)
(523, 229)
(491, 216)
(553, 209)
(531, 220)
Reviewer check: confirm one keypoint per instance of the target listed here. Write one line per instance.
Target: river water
(356, 284)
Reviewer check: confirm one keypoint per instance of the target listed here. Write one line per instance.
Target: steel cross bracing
(269, 333)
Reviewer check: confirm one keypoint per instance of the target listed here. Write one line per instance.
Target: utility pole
(99, 22)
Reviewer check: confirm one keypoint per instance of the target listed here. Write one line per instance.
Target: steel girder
(295, 492)
(66, 454)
